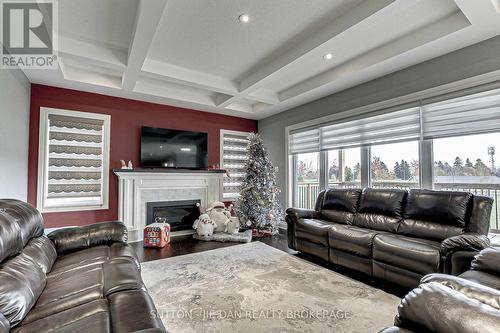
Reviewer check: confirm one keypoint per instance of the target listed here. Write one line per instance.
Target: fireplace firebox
(179, 214)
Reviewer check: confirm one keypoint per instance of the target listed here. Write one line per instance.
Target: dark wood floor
(186, 244)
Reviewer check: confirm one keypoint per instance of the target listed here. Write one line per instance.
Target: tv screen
(173, 148)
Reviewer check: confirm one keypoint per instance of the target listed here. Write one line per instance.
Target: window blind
(389, 127)
(473, 114)
(304, 141)
(233, 158)
(75, 160)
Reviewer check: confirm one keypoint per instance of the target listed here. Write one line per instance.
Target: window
(73, 161)
(306, 182)
(395, 165)
(334, 166)
(469, 163)
(233, 156)
(352, 167)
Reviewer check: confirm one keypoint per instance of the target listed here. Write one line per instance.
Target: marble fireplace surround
(137, 187)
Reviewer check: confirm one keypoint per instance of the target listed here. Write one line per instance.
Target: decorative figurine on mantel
(126, 166)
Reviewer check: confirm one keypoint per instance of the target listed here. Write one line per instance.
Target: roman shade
(73, 159)
(304, 141)
(233, 157)
(441, 116)
(388, 127)
(472, 114)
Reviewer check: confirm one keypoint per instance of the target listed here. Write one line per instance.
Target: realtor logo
(28, 37)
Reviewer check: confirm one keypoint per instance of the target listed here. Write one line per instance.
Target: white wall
(14, 127)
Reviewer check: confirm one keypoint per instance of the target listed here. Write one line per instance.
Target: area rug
(256, 288)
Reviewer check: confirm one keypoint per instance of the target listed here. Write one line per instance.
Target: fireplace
(179, 214)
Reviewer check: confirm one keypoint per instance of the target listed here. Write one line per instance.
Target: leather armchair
(78, 238)
(434, 307)
(445, 303)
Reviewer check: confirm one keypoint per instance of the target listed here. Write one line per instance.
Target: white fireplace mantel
(140, 186)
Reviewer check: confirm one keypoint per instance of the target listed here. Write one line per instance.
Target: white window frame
(221, 155)
(43, 161)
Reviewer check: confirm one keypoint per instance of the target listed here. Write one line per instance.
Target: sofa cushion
(416, 255)
(381, 209)
(340, 205)
(65, 290)
(134, 311)
(19, 222)
(435, 214)
(313, 230)
(21, 283)
(42, 252)
(352, 239)
(89, 317)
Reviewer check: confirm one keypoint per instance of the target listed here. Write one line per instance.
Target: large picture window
(73, 161)
(307, 185)
(451, 144)
(395, 165)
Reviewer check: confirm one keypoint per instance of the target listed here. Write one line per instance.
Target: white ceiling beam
(188, 77)
(147, 20)
(479, 11)
(157, 89)
(430, 33)
(338, 26)
(358, 15)
(92, 53)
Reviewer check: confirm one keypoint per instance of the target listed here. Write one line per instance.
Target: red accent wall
(127, 117)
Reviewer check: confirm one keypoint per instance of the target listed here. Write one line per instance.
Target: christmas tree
(258, 206)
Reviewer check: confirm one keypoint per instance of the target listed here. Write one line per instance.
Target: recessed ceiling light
(328, 56)
(244, 18)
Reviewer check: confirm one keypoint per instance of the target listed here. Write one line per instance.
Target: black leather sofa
(446, 303)
(393, 235)
(84, 279)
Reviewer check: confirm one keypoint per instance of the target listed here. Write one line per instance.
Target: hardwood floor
(186, 244)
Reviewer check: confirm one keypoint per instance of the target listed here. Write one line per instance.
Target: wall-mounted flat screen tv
(168, 148)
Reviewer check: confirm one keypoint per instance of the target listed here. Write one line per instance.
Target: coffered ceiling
(197, 54)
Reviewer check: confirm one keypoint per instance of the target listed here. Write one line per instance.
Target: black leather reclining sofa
(393, 235)
(83, 279)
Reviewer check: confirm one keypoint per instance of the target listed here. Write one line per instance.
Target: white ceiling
(196, 54)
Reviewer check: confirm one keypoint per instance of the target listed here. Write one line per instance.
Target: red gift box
(157, 235)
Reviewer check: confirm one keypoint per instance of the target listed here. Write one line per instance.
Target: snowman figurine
(204, 226)
(220, 215)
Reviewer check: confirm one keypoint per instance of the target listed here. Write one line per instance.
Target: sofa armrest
(78, 238)
(464, 242)
(292, 216)
(470, 242)
(299, 213)
(474, 290)
(437, 308)
(488, 260)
